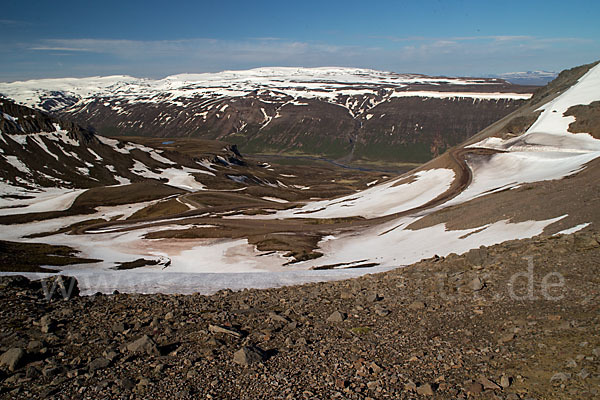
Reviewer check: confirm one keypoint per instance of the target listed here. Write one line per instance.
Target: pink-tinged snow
(46, 199)
(379, 200)
(183, 178)
(209, 265)
(393, 245)
(18, 164)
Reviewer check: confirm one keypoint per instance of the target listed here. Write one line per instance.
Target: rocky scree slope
(479, 325)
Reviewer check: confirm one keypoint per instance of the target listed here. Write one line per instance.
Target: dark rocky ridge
(55, 152)
(470, 326)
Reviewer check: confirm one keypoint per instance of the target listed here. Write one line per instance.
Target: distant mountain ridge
(538, 78)
(355, 114)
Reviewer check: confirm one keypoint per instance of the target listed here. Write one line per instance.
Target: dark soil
(139, 263)
(35, 257)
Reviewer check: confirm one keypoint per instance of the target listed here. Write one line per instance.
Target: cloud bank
(475, 55)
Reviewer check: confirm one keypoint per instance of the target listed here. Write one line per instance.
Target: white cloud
(49, 48)
(466, 55)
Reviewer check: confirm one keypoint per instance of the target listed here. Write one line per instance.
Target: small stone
(249, 355)
(278, 318)
(346, 294)
(336, 316)
(477, 284)
(474, 388)
(126, 384)
(34, 346)
(488, 384)
(505, 381)
(143, 345)
(222, 329)
(169, 316)
(509, 337)
(425, 390)
(560, 377)
(584, 241)
(12, 358)
(417, 305)
(32, 372)
(373, 297)
(375, 369)
(47, 324)
(111, 355)
(382, 312)
(118, 327)
(372, 385)
(341, 383)
(98, 363)
(583, 374)
(410, 386)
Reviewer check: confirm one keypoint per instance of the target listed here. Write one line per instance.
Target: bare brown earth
(476, 326)
(30, 257)
(587, 119)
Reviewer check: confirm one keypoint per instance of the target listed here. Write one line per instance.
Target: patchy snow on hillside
(48, 199)
(546, 151)
(393, 245)
(585, 91)
(327, 83)
(379, 200)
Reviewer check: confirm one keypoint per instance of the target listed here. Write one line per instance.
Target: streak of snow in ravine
(574, 229)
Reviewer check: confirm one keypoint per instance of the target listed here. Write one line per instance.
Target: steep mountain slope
(37, 150)
(333, 112)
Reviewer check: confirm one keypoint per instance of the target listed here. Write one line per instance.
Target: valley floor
(518, 320)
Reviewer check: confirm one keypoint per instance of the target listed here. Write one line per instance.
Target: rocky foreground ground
(519, 320)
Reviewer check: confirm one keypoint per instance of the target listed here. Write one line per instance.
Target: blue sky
(159, 38)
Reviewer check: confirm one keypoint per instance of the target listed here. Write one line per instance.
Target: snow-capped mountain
(335, 112)
(538, 78)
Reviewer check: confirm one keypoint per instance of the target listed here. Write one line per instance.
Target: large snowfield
(546, 151)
